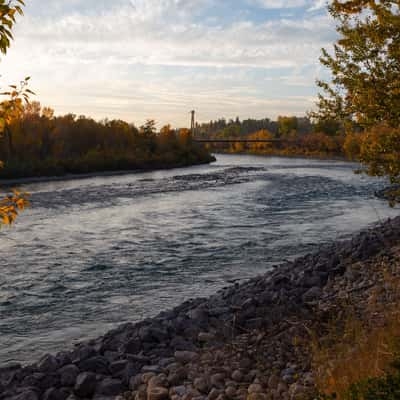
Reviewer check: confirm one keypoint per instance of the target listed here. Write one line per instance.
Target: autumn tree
(364, 92)
(365, 64)
(11, 108)
(287, 126)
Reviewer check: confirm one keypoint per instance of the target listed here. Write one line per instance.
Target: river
(96, 252)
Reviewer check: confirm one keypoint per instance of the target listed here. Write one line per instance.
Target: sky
(159, 59)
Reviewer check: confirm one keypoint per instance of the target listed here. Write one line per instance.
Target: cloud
(138, 57)
(318, 5)
(278, 4)
(138, 36)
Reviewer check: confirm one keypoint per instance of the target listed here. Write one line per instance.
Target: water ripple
(101, 251)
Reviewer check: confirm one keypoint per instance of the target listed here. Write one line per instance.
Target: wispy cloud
(281, 3)
(156, 58)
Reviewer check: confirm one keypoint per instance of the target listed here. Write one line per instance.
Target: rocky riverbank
(249, 341)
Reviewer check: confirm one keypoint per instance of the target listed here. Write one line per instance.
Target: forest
(37, 143)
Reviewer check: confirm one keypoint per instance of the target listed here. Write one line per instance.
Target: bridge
(226, 140)
(238, 140)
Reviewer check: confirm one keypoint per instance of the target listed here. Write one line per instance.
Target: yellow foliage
(11, 205)
(352, 145)
(12, 108)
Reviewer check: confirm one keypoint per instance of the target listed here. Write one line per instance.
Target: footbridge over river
(238, 140)
(197, 139)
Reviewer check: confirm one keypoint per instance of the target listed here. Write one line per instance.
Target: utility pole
(193, 123)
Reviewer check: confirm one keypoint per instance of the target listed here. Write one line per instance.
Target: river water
(93, 253)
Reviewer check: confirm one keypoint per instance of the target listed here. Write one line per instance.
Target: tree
(380, 152)
(8, 12)
(12, 204)
(365, 65)
(287, 126)
(364, 93)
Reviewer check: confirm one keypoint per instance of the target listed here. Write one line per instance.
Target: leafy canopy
(364, 93)
(11, 108)
(8, 12)
(365, 64)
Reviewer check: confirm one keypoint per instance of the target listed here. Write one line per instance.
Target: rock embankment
(248, 341)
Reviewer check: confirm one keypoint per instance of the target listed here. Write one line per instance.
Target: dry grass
(360, 344)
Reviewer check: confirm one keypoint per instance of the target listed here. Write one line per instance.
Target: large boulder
(68, 375)
(85, 384)
(55, 394)
(48, 363)
(110, 387)
(26, 395)
(97, 364)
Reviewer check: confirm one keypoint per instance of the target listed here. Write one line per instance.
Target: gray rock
(110, 387)
(288, 371)
(214, 393)
(164, 362)
(48, 363)
(68, 375)
(186, 357)
(132, 347)
(50, 380)
(273, 382)
(152, 368)
(255, 388)
(178, 390)
(260, 396)
(201, 385)
(55, 394)
(237, 376)
(97, 364)
(63, 358)
(10, 367)
(83, 352)
(206, 337)
(26, 395)
(310, 281)
(130, 370)
(288, 379)
(135, 382)
(118, 366)
(230, 391)
(147, 376)
(217, 380)
(312, 294)
(153, 334)
(177, 376)
(33, 380)
(41, 380)
(111, 355)
(158, 381)
(85, 384)
(101, 397)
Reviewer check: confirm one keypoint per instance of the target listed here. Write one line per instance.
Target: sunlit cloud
(139, 59)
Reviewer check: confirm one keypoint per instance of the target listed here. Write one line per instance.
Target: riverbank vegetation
(37, 143)
(290, 135)
(11, 205)
(356, 355)
(364, 92)
(358, 358)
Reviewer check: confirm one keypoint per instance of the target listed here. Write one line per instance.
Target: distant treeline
(300, 136)
(37, 143)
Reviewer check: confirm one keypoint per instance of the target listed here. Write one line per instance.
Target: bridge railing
(239, 140)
